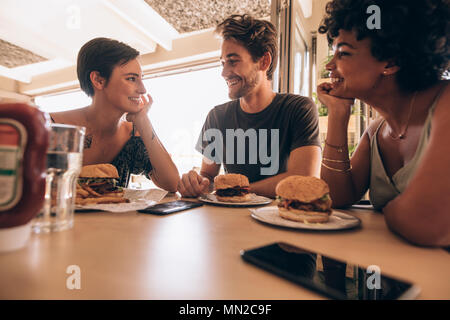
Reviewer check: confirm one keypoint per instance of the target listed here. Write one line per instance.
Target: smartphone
(171, 207)
(332, 278)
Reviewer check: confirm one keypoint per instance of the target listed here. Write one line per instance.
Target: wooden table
(195, 254)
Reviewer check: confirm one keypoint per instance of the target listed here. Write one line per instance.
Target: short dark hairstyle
(102, 55)
(414, 34)
(257, 36)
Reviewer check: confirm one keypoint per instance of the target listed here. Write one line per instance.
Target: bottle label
(13, 139)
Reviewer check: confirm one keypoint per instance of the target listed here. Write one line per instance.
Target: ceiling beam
(16, 29)
(11, 74)
(8, 84)
(202, 44)
(7, 96)
(146, 20)
(199, 46)
(56, 29)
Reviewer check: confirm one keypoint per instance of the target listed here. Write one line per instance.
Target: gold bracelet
(337, 170)
(339, 161)
(338, 148)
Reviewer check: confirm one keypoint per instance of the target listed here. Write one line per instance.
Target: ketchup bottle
(24, 134)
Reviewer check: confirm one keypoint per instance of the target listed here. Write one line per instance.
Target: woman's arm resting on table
(421, 214)
(303, 161)
(346, 186)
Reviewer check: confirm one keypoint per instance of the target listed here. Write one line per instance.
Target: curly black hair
(258, 36)
(415, 34)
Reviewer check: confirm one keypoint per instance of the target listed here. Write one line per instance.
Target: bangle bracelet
(338, 161)
(338, 148)
(337, 170)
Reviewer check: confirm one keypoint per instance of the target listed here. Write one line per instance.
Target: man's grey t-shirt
(258, 145)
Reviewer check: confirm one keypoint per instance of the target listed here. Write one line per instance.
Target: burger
(97, 184)
(303, 199)
(232, 187)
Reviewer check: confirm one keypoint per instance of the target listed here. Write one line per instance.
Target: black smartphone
(333, 278)
(171, 207)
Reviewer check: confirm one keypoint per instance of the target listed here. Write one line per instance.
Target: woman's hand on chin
(335, 104)
(144, 107)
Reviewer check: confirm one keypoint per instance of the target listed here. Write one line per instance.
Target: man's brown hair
(257, 36)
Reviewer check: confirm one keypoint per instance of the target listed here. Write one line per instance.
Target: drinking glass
(64, 161)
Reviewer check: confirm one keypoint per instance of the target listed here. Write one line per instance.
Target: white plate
(255, 201)
(338, 220)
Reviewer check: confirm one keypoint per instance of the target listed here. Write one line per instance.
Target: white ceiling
(56, 29)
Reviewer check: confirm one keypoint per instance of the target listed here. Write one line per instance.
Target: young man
(261, 134)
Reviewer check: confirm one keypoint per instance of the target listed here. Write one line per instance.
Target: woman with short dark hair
(118, 130)
(403, 158)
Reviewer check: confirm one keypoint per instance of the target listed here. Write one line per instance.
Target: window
(181, 102)
(63, 101)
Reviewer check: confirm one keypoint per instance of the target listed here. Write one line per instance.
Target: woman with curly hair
(403, 158)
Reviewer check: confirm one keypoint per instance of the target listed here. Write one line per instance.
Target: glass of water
(64, 161)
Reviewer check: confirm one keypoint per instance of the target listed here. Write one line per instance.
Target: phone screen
(171, 207)
(332, 278)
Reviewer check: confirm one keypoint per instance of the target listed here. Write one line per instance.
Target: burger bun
(235, 199)
(103, 170)
(303, 216)
(302, 188)
(231, 180)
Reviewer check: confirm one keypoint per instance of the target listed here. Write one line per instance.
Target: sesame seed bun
(104, 170)
(302, 188)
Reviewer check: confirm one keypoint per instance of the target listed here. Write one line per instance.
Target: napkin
(139, 199)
